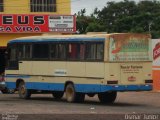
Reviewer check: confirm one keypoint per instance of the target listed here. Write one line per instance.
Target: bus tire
(107, 97)
(23, 92)
(58, 94)
(72, 95)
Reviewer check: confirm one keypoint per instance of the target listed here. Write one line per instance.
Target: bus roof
(65, 38)
(57, 38)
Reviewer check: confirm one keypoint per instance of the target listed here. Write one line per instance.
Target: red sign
(156, 51)
(37, 23)
(131, 78)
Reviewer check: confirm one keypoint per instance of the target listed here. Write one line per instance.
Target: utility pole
(149, 26)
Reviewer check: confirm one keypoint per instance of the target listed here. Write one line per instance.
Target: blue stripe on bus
(17, 76)
(45, 86)
(56, 40)
(10, 85)
(85, 88)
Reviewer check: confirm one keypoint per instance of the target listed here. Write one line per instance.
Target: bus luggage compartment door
(132, 73)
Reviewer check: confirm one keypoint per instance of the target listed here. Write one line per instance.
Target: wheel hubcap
(69, 93)
(23, 90)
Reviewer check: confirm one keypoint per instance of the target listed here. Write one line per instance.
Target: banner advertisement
(130, 48)
(23, 23)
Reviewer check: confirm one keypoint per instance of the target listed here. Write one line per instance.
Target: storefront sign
(156, 51)
(37, 23)
(156, 64)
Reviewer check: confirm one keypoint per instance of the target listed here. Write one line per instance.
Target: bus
(79, 65)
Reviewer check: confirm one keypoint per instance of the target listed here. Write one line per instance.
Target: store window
(1, 6)
(43, 5)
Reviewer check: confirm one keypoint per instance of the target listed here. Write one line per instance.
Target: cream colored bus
(80, 65)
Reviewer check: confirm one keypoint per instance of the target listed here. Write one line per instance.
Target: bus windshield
(130, 47)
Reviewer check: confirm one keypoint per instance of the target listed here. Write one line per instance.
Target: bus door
(2, 60)
(12, 57)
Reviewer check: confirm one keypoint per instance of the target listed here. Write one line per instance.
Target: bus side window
(54, 55)
(41, 51)
(13, 54)
(58, 51)
(82, 51)
(62, 51)
(28, 51)
(91, 51)
(24, 51)
(94, 51)
(21, 51)
(76, 51)
(100, 51)
(53, 51)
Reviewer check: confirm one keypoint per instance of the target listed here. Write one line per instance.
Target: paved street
(131, 102)
(126, 103)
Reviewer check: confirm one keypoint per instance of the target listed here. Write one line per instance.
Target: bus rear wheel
(107, 97)
(23, 92)
(58, 94)
(72, 95)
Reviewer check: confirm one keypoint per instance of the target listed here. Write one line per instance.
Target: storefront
(156, 64)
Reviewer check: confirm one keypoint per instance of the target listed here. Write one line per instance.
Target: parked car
(2, 82)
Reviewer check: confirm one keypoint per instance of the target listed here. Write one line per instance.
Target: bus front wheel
(23, 92)
(58, 94)
(72, 95)
(107, 97)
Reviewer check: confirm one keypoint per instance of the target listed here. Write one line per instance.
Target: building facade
(29, 7)
(55, 7)
(35, 6)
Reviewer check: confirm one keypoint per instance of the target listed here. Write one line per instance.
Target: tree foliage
(88, 23)
(123, 16)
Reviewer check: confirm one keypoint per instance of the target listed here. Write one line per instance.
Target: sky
(77, 5)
